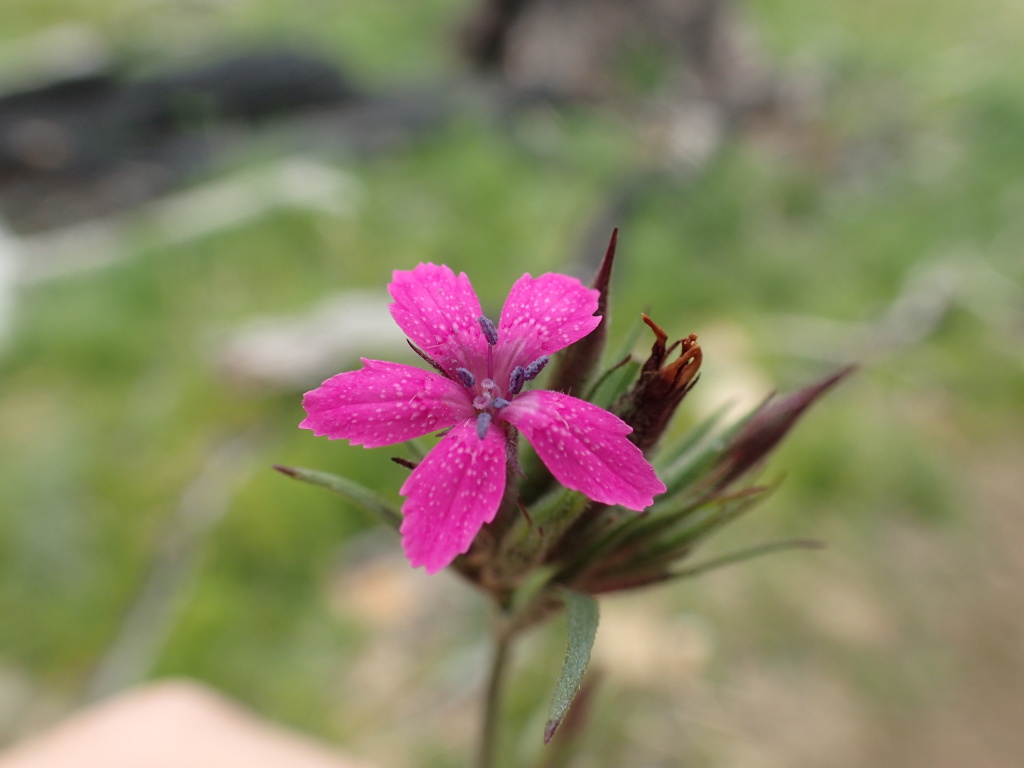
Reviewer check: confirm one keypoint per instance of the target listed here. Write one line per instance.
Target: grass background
(899, 645)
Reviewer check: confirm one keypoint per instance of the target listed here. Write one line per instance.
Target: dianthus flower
(477, 395)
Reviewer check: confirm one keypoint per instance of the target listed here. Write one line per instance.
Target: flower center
(487, 403)
(489, 400)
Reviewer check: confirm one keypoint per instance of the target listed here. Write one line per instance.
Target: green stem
(492, 700)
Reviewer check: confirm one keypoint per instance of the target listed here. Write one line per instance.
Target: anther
(483, 421)
(490, 332)
(533, 369)
(516, 381)
(466, 377)
(500, 402)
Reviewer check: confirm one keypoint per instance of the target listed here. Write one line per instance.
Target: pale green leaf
(582, 613)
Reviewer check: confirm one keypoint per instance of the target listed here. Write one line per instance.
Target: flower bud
(766, 428)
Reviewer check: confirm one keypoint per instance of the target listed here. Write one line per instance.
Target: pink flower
(477, 394)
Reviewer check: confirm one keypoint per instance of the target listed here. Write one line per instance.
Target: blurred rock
(587, 49)
(233, 200)
(10, 253)
(300, 351)
(177, 724)
(81, 139)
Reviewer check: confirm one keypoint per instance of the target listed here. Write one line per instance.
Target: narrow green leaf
(354, 493)
(631, 339)
(676, 457)
(746, 554)
(417, 449)
(687, 465)
(582, 613)
(614, 383)
(655, 541)
(711, 518)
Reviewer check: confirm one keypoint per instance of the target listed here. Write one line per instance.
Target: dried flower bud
(649, 405)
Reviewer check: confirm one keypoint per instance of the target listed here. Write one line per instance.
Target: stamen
(483, 421)
(466, 377)
(516, 381)
(490, 332)
(533, 369)
(500, 402)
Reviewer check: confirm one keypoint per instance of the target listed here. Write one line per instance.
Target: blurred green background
(143, 534)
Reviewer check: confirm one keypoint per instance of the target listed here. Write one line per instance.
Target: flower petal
(541, 316)
(454, 491)
(384, 403)
(585, 447)
(438, 312)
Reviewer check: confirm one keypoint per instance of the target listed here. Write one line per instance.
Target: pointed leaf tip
(603, 278)
(577, 363)
(583, 616)
(549, 730)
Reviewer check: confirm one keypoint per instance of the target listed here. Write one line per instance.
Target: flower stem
(487, 747)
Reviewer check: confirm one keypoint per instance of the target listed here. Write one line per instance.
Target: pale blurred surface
(170, 725)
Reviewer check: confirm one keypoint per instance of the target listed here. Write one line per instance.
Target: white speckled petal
(585, 447)
(454, 491)
(384, 403)
(439, 313)
(543, 315)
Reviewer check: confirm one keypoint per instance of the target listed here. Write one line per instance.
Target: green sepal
(528, 538)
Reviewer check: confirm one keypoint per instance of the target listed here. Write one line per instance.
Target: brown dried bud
(648, 407)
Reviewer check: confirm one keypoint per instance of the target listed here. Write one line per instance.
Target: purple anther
(500, 402)
(483, 421)
(534, 368)
(490, 332)
(516, 381)
(466, 377)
